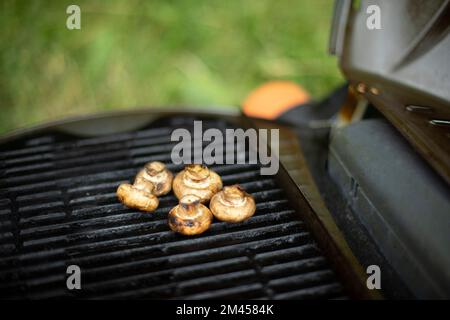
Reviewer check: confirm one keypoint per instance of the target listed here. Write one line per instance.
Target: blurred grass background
(156, 53)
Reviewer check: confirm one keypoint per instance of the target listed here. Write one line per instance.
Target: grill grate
(58, 207)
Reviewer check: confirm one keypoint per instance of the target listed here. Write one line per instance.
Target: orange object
(274, 98)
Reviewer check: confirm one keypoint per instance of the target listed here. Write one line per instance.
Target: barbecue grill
(59, 208)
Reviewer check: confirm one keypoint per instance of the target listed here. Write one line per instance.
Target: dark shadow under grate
(58, 207)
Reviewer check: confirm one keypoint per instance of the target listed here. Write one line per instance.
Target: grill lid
(403, 67)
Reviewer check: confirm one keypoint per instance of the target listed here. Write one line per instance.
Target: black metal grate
(58, 207)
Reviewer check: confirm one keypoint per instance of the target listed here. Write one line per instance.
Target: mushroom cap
(157, 173)
(143, 184)
(154, 167)
(232, 204)
(197, 180)
(136, 198)
(190, 217)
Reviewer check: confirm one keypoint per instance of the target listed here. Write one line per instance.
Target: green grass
(156, 53)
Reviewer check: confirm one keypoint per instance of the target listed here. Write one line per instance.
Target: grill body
(58, 208)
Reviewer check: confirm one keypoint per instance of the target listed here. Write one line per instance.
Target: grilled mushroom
(232, 204)
(157, 173)
(144, 184)
(190, 217)
(138, 196)
(198, 180)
